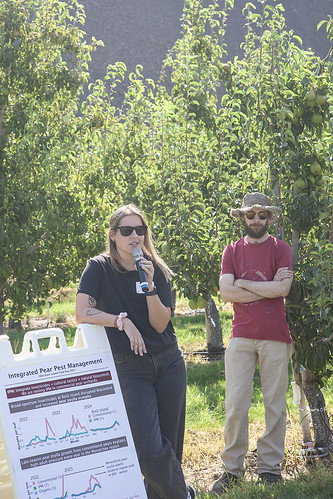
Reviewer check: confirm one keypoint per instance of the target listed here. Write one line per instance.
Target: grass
(305, 487)
(61, 306)
(205, 394)
(205, 410)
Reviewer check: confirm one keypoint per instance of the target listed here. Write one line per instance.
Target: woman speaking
(150, 365)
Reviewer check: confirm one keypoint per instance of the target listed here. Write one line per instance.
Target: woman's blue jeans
(154, 392)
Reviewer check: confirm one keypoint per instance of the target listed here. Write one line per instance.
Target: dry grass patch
(202, 462)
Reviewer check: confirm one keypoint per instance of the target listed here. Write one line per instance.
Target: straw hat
(256, 200)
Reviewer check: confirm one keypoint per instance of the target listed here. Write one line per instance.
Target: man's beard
(256, 232)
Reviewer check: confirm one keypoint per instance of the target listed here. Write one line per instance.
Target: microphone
(137, 254)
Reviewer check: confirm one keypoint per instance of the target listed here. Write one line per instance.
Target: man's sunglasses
(126, 230)
(263, 215)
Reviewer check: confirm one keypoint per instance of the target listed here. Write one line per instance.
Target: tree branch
(37, 244)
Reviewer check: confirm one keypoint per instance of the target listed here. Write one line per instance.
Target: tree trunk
(302, 409)
(14, 324)
(299, 399)
(294, 246)
(2, 302)
(48, 311)
(173, 297)
(321, 424)
(213, 329)
(306, 381)
(279, 229)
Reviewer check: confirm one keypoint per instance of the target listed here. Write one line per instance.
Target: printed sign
(67, 431)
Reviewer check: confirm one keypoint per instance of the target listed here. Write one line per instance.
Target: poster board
(63, 420)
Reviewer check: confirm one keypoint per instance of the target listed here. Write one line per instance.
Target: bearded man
(256, 275)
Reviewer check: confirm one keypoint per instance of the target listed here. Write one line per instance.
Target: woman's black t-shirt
(117, 292)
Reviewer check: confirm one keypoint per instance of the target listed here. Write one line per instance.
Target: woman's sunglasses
(263, 215)
(126, 230)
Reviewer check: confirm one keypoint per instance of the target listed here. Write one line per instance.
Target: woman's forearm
(92, 315)
(158, 314)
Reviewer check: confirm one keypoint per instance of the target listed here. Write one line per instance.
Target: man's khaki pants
(241, 358)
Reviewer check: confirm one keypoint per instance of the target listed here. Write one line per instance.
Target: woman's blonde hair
(148, 245)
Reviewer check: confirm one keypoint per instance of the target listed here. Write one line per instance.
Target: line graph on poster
(81, 483)
(62, 427)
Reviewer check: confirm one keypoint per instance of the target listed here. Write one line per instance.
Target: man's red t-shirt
(263, 319)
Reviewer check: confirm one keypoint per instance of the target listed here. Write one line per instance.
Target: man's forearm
(265, 289)
(235, 294)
